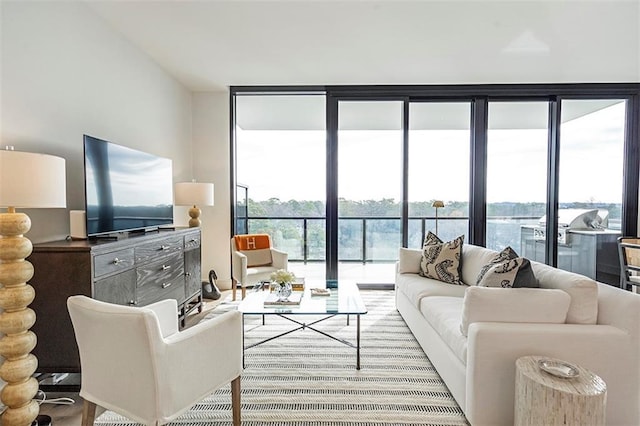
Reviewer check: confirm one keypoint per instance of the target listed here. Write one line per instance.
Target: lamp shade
(193, 194)
(438, 203)
(30, 180)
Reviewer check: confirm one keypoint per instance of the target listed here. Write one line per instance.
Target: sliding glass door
(438, 170)
(591, 186)
(369, 190)
(517, 145)
(280, 147)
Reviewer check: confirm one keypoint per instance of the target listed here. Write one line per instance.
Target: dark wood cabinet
(134, 271)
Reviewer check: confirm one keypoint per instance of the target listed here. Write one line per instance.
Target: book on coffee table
(320, 292)
(293, 299)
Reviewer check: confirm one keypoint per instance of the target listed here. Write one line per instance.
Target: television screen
(125, 189)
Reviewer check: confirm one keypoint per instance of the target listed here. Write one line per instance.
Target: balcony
(368, 246)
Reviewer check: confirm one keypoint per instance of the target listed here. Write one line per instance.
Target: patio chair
(253, 260)
(629, 253)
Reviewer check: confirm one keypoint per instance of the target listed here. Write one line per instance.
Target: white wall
(66, 73)
(211, 164)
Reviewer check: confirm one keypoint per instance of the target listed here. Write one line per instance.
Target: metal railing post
(305, 241)
(364, 241)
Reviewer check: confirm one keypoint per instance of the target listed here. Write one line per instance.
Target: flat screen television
(125, 189)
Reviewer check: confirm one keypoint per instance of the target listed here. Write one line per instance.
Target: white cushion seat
(417, 287)
(443, 313)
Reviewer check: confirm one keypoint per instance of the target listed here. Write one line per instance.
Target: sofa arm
(493, 349)
(239, 267)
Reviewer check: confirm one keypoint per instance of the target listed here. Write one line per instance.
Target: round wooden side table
(546, 399)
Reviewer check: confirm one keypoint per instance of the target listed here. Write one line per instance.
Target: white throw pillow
(518, 305)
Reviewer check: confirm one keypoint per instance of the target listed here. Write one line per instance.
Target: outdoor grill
(573, 219)
(585, 244)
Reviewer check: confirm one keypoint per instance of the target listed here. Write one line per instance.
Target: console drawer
(167, 290)
(158, 248)
(116, 261)
(191, 241)
(160, 280)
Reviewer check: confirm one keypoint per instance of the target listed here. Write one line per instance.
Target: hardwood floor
(71, 415)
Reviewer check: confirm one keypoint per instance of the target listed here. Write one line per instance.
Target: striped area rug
(307, 379)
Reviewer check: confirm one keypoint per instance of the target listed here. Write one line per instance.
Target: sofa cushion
(441, 260)
(443, 314)
(583, 291)
(473, 259)
(520, 305)
(409, 261)
(507, 270)
(416, 287)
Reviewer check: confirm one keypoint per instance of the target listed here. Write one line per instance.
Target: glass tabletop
(344, 299)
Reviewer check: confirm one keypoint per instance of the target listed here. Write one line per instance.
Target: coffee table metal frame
(344, 300)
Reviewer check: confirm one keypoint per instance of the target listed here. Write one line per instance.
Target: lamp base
(16, 319)
(194, 213)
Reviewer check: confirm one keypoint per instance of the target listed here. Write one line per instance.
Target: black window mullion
(332, 188)
(553, 169)
(232, 164)
(631, 168)
(478, 172)
(404, 221)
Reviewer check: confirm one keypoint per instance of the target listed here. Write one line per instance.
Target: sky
(291, 164)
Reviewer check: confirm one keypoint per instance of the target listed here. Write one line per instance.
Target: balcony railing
(375, 238)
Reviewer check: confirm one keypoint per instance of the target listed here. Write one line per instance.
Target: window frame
(479, 95)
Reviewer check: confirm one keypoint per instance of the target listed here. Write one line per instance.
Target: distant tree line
(388, 207)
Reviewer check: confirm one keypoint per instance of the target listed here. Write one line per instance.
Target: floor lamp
(27, 180)
(437, 204)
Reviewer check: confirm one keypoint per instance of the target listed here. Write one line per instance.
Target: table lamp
(194, 194)
(437, 204)
(27, 180)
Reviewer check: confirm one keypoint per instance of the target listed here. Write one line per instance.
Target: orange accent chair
(253, 260)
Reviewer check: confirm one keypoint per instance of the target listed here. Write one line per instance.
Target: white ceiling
(209, 45)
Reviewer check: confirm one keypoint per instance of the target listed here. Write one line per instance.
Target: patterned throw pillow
(507, 270)
(441, 261)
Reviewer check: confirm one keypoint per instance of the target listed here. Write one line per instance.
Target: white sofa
(597, 327)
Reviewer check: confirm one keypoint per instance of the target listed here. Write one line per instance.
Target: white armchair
(253, 259)
(135, 362)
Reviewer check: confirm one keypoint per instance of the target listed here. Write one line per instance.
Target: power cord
(41, 397)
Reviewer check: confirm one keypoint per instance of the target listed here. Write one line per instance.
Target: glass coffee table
(344, 300)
